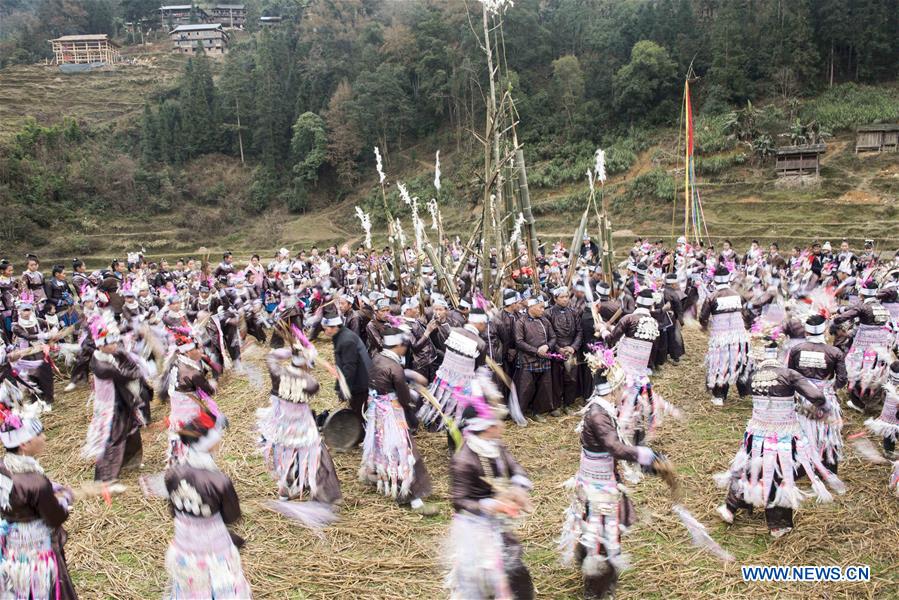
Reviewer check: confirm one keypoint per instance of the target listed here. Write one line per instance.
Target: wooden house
(90, 49)
(882, 137)
(182, 14)
(231, 16)
(799, 160)
(210, 37)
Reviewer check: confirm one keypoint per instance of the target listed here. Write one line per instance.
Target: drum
(343, 430)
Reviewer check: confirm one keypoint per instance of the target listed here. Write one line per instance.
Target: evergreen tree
(309, 146)
(273, 109)
(344, 144)
(647, 86)
(568, 81)
(199, 110)
(382, 111)
(732, 66)
(149, 136)
(170, 136)
(238, 101)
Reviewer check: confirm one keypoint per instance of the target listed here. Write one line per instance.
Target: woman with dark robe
(30, 331)
(187, 388)
(33, 509)
(294, 452)
(203, 560)
(775, 451)
(489, 493)
(600, 510)
(390, 458)
(120, 392)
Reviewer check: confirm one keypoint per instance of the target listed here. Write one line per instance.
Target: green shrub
(263, 191)
(296, 198)
(619, 158)
(714, 165)
(710, 134)
(570, 203)
(656, 184)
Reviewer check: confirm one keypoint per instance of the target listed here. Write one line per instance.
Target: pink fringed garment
(101, 422)
(387, 456)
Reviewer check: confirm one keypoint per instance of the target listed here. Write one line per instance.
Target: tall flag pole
(688, 161)
(694, 216)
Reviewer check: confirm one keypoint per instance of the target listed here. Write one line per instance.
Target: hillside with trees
(289, 117)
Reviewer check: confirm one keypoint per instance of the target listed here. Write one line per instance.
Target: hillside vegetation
(149, 153)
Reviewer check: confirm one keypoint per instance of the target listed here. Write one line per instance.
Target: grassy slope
(855, 197)
(106, 96)
(380, 551)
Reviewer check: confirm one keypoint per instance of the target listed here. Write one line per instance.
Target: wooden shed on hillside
(794, 161)
(93, 49)
(883, 137)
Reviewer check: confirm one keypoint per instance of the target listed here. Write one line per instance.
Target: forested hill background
(175, 152)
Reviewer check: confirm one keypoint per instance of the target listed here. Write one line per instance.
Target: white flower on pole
(379, 165)
(437, 171)
(404, 193)
(599, 168)
(516, 233)
(400, 234)
(590, 181)
(418, 225)
(432, 208)
(365, 220)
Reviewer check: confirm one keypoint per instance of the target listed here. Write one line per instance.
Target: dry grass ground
(378, 550)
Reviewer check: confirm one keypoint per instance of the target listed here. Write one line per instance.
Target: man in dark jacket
(534, 340)
(351, 358)
(566, 325)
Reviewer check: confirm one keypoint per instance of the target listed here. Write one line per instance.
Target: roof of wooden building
(806, 149)
(92, 37)
(879, 127)
(197, 27)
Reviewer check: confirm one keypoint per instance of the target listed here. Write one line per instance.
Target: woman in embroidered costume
(14, 391)
(886, 426)
(188, 389)
(390, 458)
(600, 511)
(641, 408)
(825, 367)
(203, 560)
(33, 508)
(775, 451)
(868, 357)
(452, 385)
(489, 493)
(295, 454)
(728, 354)
(113, 436)
(31, 332)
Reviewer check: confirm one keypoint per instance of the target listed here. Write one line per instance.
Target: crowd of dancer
(422, 348)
